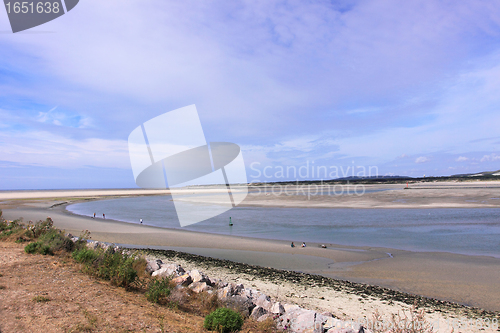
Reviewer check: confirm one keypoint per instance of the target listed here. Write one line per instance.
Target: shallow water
(473, 231)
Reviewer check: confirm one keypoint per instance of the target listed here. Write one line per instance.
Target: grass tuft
(40, 299)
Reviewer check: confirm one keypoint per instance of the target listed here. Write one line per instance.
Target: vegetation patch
(40, 299)
(117, 267)
(223, 320)
(158, 290)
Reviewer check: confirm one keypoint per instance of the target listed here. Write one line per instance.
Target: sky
(401, 87)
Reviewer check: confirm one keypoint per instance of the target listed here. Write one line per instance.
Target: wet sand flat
(470, 280)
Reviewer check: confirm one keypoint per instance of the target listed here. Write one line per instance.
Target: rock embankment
(252, 302)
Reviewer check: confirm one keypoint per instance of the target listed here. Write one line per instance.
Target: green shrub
(86, 256)
(39, 228)
(108, 265)
(223, 320)
(158, 290)
(8, 228)
(38, 247)
(32, 247)
(50, 241)
(57, 241)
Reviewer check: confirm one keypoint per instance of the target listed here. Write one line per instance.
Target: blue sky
(411, 87)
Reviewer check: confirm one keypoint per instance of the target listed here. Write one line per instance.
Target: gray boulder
(264, 317)
(277, 308)
(258, 312)
(199, 287)
(240, 304)
(264, 302)
(169, 270)
(197, 276)
(183, 280)
(153, 265)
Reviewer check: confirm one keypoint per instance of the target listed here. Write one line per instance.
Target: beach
(467, 280)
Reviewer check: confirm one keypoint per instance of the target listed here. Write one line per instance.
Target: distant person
(323, 246)
(103, 216)
(303, 244)
(140, 220)
(94, 215)
(292, 245)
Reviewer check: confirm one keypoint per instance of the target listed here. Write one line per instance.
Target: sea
(469, 231)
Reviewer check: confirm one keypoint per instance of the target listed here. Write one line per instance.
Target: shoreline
(463, 279)
(280, 276)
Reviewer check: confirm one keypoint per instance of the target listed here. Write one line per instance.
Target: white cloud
(53, 150)
(491, 157)
(462, 159)
(422, 159)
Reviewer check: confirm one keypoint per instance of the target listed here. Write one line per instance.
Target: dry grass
(51, 294)
(411, 321)
(40, 299)
(266, 326)
(78, 302)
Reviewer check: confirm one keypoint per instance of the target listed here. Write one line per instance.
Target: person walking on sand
(292, 245)
(140, 221)
(94, 216)
(303, 244)
(103, 216)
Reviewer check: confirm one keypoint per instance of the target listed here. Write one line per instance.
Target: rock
(341, 330)
(258, 312)
(304, 322)
(221, 284)
(264, 317)
(92, 245)
(238, 289)
(197, 276)
(199, 287)
(225, 292)
(153, 265)
(264, 302)
(240, 304)
(250, 293)
(300, 321)
(105, 246)
(291, 307)
(334, 325)
(169, 270)
(183, 280)
(277, 308)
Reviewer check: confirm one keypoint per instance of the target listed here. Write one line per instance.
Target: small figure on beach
(140, 220)
(230, 222)
(103, 216)
(292, 245)
(94, 216)
(303, 244)
(323, 246)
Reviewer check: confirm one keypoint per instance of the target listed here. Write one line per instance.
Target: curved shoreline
(330, 245)
(471, 280)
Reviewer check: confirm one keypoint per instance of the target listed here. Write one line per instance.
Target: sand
(469, 280)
